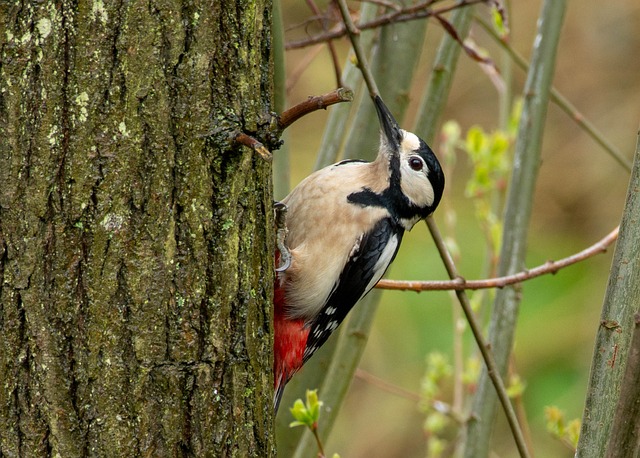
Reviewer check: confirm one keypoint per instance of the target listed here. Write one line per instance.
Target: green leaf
(476, 142)
(516, 386)
(573, 432)
(306, 414)
(313, 404)
(497, 17)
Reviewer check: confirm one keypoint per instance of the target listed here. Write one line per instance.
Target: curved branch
(411, 13)
(459, 284)
(312, 104)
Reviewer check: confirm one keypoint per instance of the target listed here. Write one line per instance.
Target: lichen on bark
(136, 278)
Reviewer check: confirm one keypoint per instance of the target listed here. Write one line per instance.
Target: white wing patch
(383, 262)
(356, 246)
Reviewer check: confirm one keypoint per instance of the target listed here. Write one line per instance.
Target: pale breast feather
(367, 263)
(324, 229)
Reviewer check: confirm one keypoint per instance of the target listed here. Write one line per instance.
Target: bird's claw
(284, 261)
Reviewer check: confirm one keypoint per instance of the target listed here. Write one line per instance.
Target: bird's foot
(284, 260)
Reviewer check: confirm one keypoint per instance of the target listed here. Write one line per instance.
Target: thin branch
(354, 33)
(459, 283)
(386, 386)
(390, 5)
(314, 430)
(419, 11)
(471, 52)
(254, 144)
(383, 385)
(312, 104)
(487, 355)
(561, 101)
(303, 63)
(304, 24)
(332, 48)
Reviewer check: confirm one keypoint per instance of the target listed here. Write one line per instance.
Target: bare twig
(302, 65)
(390, 5)
(561, 101)
(419, 11)
(354, 33)
(254, 144)
(314, 430)
(383, 385)
(487, 355)
(386, 386)
(471, 52)
(312, 104)
(330, 45)
(459, 283)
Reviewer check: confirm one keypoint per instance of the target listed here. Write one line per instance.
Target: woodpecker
(345, 223)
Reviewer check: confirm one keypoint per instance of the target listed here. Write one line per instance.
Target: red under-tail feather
(290, 340)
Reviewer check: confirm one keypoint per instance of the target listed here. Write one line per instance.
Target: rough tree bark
(135, 281)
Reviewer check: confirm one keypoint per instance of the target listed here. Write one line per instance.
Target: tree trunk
(625, 432)
(135, 238)
(609, 404)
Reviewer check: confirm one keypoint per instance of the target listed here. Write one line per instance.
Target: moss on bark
(134, 236)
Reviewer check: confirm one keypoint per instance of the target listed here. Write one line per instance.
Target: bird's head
(413, 167)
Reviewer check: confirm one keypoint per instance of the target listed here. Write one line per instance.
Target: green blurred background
(579, 198)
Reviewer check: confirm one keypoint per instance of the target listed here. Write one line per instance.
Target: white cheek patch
(415, 185)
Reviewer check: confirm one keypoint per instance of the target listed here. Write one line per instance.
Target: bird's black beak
(388, 124)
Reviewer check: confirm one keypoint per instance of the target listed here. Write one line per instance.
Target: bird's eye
(415, 163)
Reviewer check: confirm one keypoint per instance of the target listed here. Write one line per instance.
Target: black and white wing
(370, 257)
